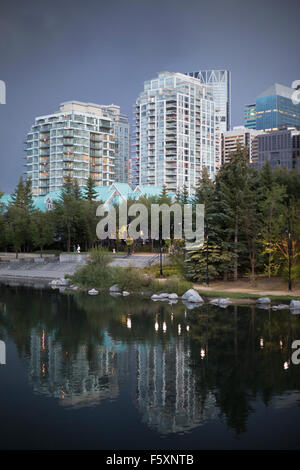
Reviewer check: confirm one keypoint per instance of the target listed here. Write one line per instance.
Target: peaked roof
(124, 189)
(149, 190)
(103, 192)
(277, 89)
(116, 193)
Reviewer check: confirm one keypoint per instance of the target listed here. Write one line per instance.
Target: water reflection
(81, 380)
(184, 367)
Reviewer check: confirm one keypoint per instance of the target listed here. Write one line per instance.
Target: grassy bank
(98, 274)
(244, 295)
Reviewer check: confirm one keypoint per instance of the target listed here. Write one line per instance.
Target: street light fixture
(288, 232)
(207, 274)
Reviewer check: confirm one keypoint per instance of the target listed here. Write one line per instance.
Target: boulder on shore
(115, 288)
(164, 295)
(93, 292)
(263, 300)
(295, 304)
(173, 296)
(155, 297)
(192, 295)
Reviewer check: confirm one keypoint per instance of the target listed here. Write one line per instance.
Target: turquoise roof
(6, 199)
(116, 193)
(103, 193)
(39, 203)
(116, 200)
(150, 190)
(53, 195)
(124, 189)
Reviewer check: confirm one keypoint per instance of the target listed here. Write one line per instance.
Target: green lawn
(244, 295)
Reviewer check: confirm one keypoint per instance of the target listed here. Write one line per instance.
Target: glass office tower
(250, 116)
(78, 141)
(275, 109)
(175, 132)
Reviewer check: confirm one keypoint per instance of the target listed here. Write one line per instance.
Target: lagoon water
(108, 373)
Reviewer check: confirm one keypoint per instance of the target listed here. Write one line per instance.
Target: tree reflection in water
(185, 367)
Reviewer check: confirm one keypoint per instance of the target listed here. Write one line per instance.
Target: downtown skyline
(44, 61)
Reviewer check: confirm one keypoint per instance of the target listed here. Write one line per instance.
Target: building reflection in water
(163, 382)
(166, 388)
(181, 372)
(76, 380)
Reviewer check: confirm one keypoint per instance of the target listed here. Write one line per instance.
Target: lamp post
(160, 256)
(288, 232)
(207, 274)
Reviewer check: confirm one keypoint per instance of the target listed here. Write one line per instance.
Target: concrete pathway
(52, 269)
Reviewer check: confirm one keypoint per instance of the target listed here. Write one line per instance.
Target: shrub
(173, 284)
(94, 275)
(100, 256)
(168, 270)
(133, 279)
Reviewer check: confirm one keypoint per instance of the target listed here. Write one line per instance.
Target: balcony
(171, 144)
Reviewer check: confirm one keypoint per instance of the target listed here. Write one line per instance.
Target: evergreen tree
(231, 183)
(19, 214)
(184, 195)
(17, 198)
(253, 217)
(90, 191)
(76, 190)
(163, 197)
(28, 199)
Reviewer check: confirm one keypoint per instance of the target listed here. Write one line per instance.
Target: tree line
(252, 221)
(24, 228)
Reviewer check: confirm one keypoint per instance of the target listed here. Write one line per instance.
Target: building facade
(280, 148)
(275, 109)
(250, 116)
(78, 141)
(175, 132)
(219, 82)
(243, 137)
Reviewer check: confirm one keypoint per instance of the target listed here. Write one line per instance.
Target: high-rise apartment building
(175, 132)
(242, 137)
(220, 83)
(275, 109)
(250, 116)
(78, 141)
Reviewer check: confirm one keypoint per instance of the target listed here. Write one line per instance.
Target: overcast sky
(102, 51)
